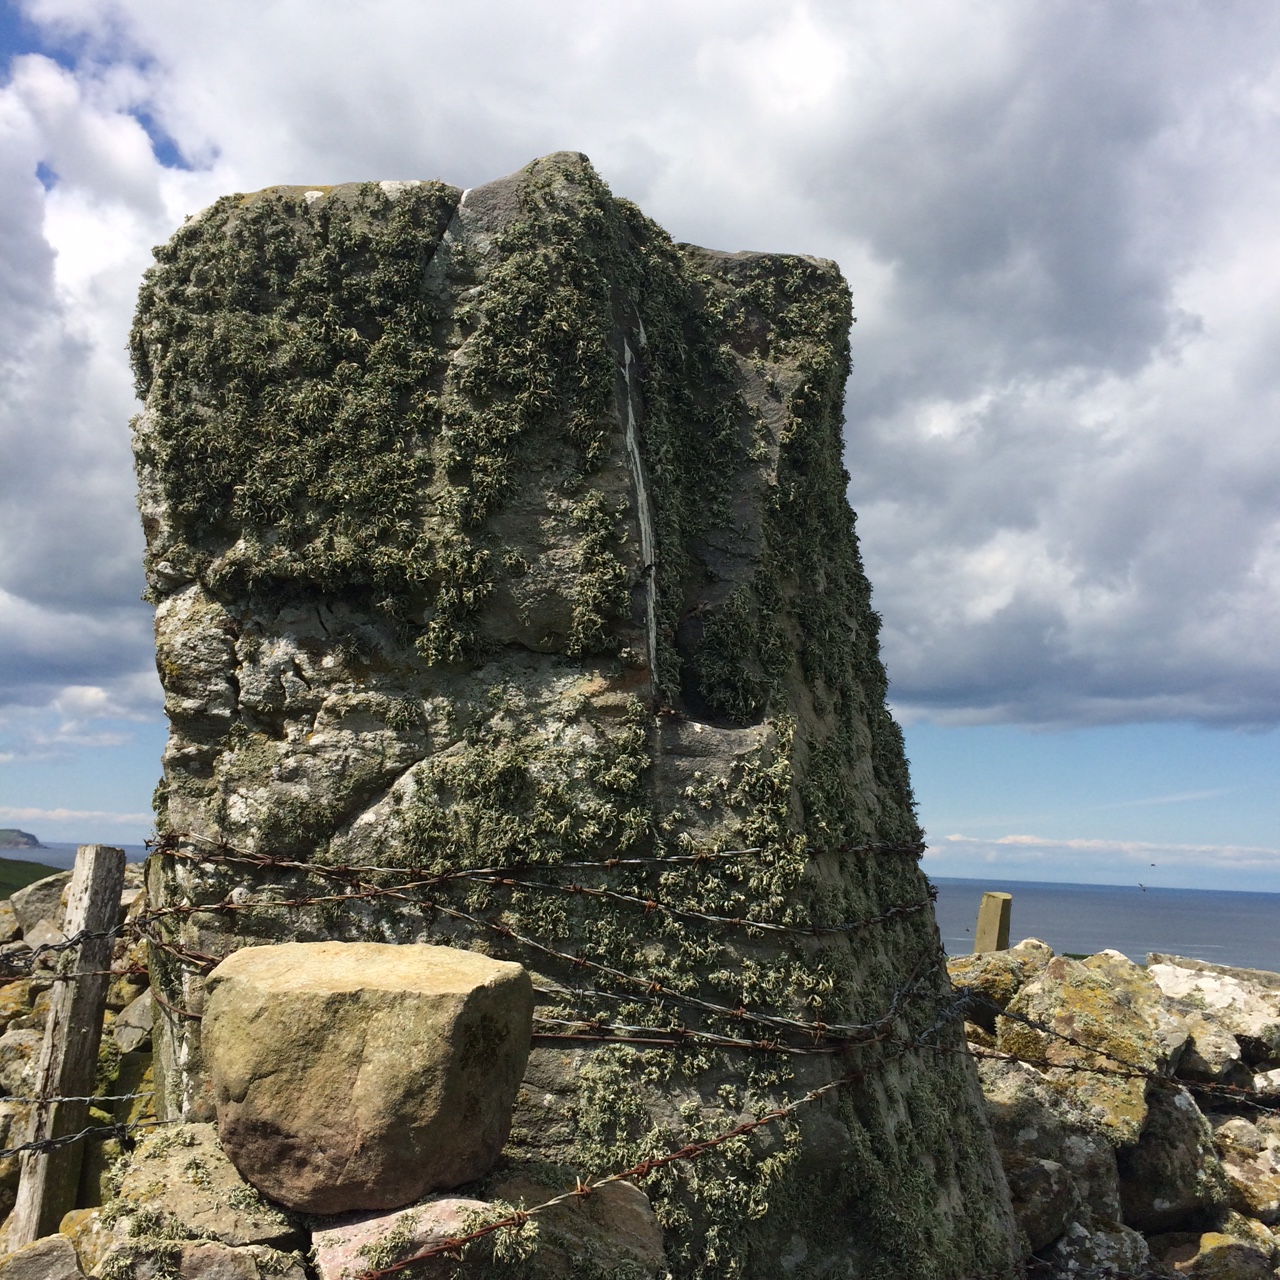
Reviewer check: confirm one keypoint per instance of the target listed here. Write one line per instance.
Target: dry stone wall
(495, 529)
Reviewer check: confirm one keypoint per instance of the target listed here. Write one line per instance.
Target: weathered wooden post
(69, 1056)
(993, 922)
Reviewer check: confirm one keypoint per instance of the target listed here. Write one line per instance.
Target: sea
(1226, 927)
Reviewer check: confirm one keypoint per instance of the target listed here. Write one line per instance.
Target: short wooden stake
(993, 922)
(69, 1055)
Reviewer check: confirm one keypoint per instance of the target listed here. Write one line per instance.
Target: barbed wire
(96, 1097)
(453, 1246)
(104, 1132)
(920, 993)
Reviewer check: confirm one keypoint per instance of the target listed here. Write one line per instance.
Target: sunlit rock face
(493, 529)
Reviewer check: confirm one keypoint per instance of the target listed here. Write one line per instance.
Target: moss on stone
(531, 397)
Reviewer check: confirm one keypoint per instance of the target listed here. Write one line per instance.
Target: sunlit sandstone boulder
(357, 1075)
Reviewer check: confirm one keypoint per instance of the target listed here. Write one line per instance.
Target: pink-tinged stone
(350, 1245)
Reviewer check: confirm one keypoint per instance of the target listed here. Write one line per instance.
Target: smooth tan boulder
(358, 1075)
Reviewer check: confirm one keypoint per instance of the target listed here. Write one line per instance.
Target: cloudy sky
(1060, 224)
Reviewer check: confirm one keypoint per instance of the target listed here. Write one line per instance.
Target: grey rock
(19, 1060)
(1172, 1179)
(1212, 1053)
(132, 1027)
(1093, 1251)
(41, 900)
(1033, 1121)
(49, 1258)
(344, 1245)
(1045, 1198)
(43, 933)
(180, 1175)
(1243, 1002)
(158, 1259)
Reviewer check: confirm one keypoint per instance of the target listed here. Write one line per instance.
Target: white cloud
(72, 815)
(1058, 222)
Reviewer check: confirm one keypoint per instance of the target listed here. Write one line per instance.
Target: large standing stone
(494, 529)
(356, 1075)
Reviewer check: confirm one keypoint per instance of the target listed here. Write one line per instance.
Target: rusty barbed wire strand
(641, 1169)
(687, 913)
(223, 852)
(501, 877)
(119, 1130)
(623, 1033)
(651, 987)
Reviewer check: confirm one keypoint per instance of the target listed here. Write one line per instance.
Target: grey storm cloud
(1057, 220)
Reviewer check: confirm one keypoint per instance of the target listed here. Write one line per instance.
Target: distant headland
(12, 838)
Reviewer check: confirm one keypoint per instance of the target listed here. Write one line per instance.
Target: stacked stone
(492, 529)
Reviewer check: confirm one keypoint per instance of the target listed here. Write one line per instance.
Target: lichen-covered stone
(163, 1259)
(1094, 1021)
(357, 1075)
(997, 976)
(1097, 1250)
(612, 1232)
(1212, 1053)
(1171, 1178)
(17, 998)
(178, 1183)
(348, 1244)
(1254, 1180)
(1245, 1002)
(90, 1236)
(19, 1059)
(1216, 1256)
(1034, 1121)
(1044, 1195)
(500, 530)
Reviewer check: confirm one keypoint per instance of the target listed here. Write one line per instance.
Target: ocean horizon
(1220, 925)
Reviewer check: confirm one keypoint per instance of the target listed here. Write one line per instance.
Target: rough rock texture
(1217, 1256)
(612, 1233)
(345, 1246)
(19, 1058)
(1085, 1150)
(49, 1258)
(1252, 1167)
(1045, 1197)
(179, 1178)
(1171, 1177)
(1244, 1002)
(995, 977)
(357, 1075)
(1092, 1253)
(41, 900)
(502, 531)
(1098, 1022)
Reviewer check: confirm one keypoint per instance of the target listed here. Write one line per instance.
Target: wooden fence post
(992, 933)
(69, 1055)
